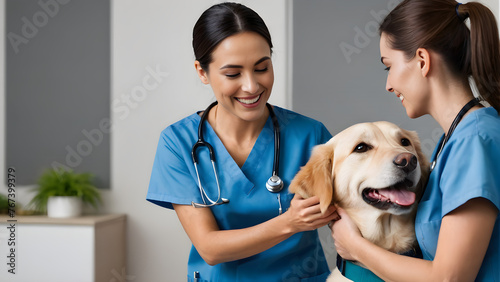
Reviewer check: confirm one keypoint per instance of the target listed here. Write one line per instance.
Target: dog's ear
(316, 177)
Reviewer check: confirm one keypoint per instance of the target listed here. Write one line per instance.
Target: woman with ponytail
(432, 58)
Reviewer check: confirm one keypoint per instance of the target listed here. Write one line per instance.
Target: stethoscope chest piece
(274, 184)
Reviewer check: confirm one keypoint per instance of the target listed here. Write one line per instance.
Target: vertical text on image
(11, 223)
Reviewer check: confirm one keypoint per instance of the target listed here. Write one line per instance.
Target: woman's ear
(202, 74)
(424, 61)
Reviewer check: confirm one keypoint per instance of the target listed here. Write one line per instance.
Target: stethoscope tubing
(274, 184)
(276, 128)
(201, 142)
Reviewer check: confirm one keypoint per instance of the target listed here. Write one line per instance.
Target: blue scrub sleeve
(171, 179)
(471, 172)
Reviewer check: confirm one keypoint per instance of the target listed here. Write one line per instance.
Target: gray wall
(337, 74)
(58, 87)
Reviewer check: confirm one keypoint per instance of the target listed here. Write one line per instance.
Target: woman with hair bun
(431, 55)
(241, 231)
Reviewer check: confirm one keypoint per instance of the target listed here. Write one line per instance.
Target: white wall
(151, 34)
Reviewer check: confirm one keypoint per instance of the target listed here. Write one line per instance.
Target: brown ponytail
(485, 51)
(438, 25)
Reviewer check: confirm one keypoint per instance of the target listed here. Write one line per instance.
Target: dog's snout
(406, 161)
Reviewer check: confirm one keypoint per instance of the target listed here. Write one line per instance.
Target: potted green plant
(4, 204)
(61, 193)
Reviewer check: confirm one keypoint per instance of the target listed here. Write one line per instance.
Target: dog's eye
(361, 148)
(405, 142)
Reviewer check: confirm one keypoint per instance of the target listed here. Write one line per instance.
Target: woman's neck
(237, 135)
(227, 124)
(450, 100)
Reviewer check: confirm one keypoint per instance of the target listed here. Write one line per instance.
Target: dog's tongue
(400, 197)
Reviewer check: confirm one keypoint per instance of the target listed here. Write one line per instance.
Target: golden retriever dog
(376, 172)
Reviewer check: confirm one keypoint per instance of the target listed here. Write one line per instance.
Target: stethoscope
(460, 115)
(274, 184)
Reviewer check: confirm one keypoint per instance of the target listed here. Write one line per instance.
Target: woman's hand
(345, 233)
(305, 214)
(217, 246)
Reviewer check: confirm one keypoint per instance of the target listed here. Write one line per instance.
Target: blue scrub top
(173, 180)
(467, 168)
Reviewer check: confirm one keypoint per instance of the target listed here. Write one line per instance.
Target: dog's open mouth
(397, 195)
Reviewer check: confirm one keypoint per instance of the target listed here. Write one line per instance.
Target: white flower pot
(64, 206)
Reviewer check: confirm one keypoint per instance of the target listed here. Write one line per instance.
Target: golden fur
(361, 159)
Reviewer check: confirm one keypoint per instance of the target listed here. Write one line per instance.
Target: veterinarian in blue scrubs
(430, 53)
(239, 229)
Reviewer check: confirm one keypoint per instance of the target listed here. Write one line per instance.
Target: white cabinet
(81, 249)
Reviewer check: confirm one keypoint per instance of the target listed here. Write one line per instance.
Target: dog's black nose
(406, 161)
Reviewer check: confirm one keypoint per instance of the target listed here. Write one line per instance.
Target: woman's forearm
(463, 240)
(393, 267)
(228, 245)
(217, 246)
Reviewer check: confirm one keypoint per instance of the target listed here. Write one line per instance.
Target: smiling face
(241, 75)
(405, 79)
(377, 165)
(376, 172)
